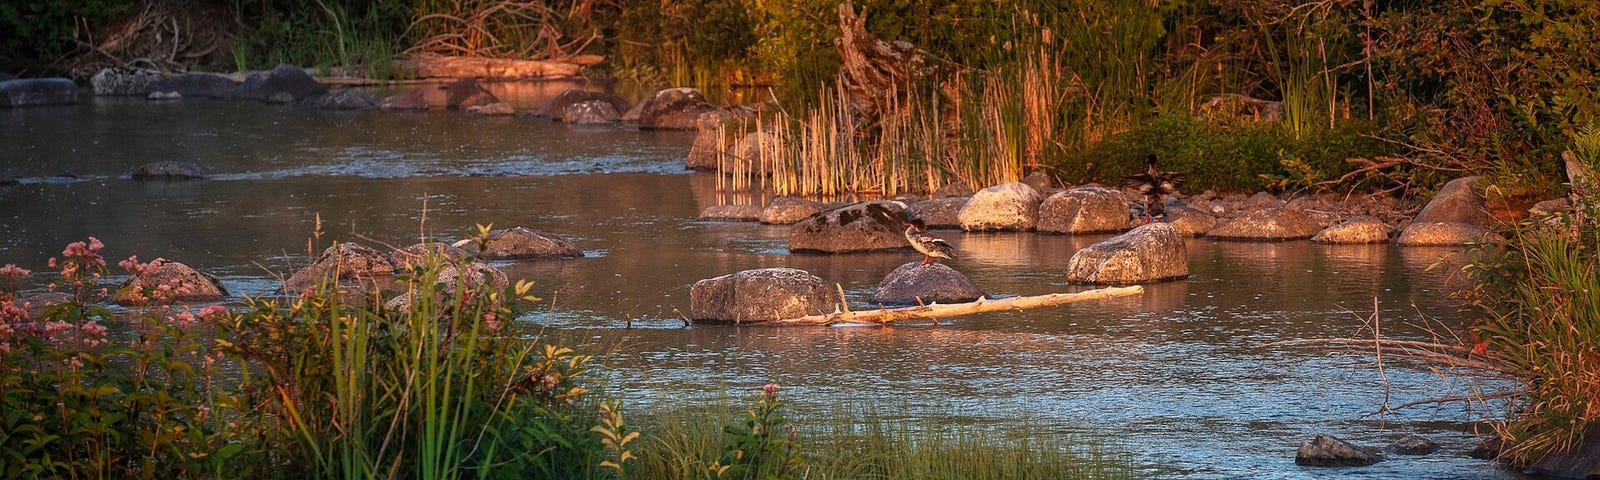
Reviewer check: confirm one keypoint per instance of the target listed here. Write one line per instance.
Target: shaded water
(1178, 377)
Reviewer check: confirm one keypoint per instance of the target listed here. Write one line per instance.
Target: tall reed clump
(1539, 292)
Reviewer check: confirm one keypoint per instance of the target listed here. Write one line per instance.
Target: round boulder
(577, 102)
(283, 82)
(350, 261)
(169, 170)
(37, 91)
(1084, 210)
(858, 227)
(593, 112)
(670, 109)
(760, 295)
(914, 284)
(523, 243)
(1149, 253)
(953, 189)
(1008, 206)
(939, 212)
(1412, 445)
(1438, 234)
(1354, 230)
(789, 210)
(168, 282)
(1190, 222)
(124, 81)
(1326, 451)
(422, 253)
(731, 213)
(1271, 225)
(1460, 201)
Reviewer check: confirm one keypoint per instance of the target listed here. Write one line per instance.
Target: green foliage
(763, 448)
(41, 31)
(319, 33)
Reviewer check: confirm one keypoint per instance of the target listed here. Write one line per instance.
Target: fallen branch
(981, 305)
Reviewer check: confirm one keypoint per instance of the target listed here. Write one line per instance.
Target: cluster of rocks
(1328, 451)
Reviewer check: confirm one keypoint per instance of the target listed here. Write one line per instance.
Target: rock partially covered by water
(518, 243)
(760, 295)
(1326, 451)
(1581, 461)
(1271, 225)
(670, 109)
(202, 85)
(124, 81)
(37, 91)
(593, 112)
(1354, 230)
(1439, 234)
(283, 81)
(1412, 445)
(914, 283)
(411, 101)
(789, 210)
(1009, 206)
(167, 282)
(169, 170)
(859, 227)
(1190, 222)
(939, 212)
(349, 261)
(581, 103)
(467, 92)
(348, 99)
(421, 253)
(496, 109)
(1149, 253)
(731, 213)
(1084, 210)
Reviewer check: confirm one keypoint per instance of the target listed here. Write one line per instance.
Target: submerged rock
(594, 112)
(859, 227)
(37, 91)
(914, 283)
(1149, 253)
(1354, 230)
(348, 99)
(518, 243)
(580, 102)
(1412, 445)
(497, 109)
(467, 92)
(760, 295)
(169, 170)
(1271, 225)
(342, 261)
(283, 84)
(168, 282)
(1438, 234)
(1326, 451)
(411, 101)
(1010, 206)
(731, 213)
(201, 85)
(789, 210)
(1084, 210)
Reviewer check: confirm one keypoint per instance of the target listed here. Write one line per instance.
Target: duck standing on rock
(930, 246)
(1155, 185)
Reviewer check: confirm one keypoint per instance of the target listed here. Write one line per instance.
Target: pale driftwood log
(440, 66)
(981, 305)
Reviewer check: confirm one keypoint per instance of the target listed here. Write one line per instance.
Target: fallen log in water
(981, 305)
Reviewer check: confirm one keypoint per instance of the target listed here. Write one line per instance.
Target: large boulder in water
(939, 212)
(858, 227)
(342, 261)
(1439, 234)
(167, 282)
(197, 85)
(1326, 451)
(1270, 225)
(37, 91)
(760, 295)
(1008, 206)
(467, 92)
(1457, 214)
(719, 131)
(1149, 253)
(577, 101)
(670, 109)
(124, 81)
(914, 283)
(1084, 210)
(1190, 222)
(282, 82)
(518, 243)
(593, 112)
(789, 210)
(169, 170)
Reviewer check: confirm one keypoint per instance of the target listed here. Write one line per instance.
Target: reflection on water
(1178, 376)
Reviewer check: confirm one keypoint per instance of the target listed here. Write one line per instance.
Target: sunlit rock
(348, 99)
(760, 295)
(518, 243)
(1459, 201)
(422, 253)
(1190, 222)
(465, 93)
(859, 227)
(593, 112)
(1326, 451)
(670, 109)
(1010, 206)
(342, 262)
(168, 282)
(169, 170)
(283, 81)
(731, 213)
(789, 210)
(411, 101)
(1149, 253)
(37, 91)
(580, 103)
(124, 81)
(1260, 201)
(939, 212)
(1271, 225)
(1354, 230)
(1434, 234)
(914, 283)
(1084, 210)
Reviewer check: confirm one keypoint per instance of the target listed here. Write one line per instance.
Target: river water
(1179, 378)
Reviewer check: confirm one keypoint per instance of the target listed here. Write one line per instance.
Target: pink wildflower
(52, 262)
(212, 311)
(770, 388)
(491, 322)
(95, 245)
(13, 272)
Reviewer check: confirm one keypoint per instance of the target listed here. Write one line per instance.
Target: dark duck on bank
(1155, 185)
(930, 246)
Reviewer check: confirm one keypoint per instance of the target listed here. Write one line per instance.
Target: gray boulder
(197, 85)
(1010, 206)
(670, 109)
(169, 170)
(576, 101)
(1149, 253)
(348, 99)
(1271, 225)
(467, 92)
(1326, 451)
(954, 189)
(1412, 445)
(1084, 210)
(124, 81)
(411, 101)
(1190, 222)
(1359, 229)
(169, 282)
(518, 243)
(859, 227)
(422, 253)
(37, 91)
(761, 295)
(282, 82)
(731, 213)
(1439, 234)
(593, 112)
(939, 212)
(1460, 201)
(789, 210)
(343, 262)
(914, 283)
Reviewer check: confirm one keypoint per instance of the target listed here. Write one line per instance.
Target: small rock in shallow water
(731, 213)
(1412, 445)
(1326, 451)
